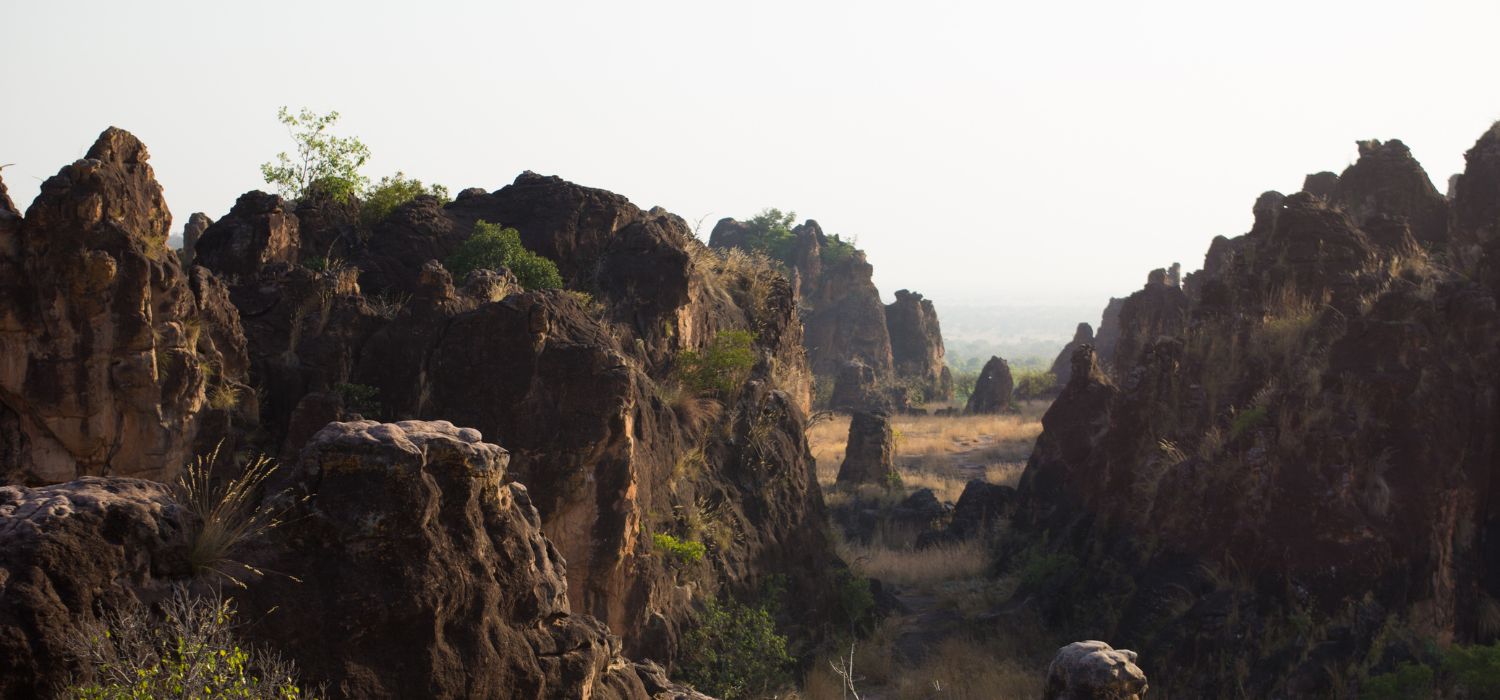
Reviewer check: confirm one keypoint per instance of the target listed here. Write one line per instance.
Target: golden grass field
(943, 454)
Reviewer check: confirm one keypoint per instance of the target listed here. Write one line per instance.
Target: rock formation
(870, 454)
(196, 225)
(992, 390)
(112, 357)
(1062, 367)
(1094, 671)
(917, 345)
(842, 314)
(258, 231)
(1108, 335)
(1291, 467)
(381, 512)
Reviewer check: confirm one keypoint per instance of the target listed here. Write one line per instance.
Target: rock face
(1094, 671)
(1062, 367)
(1309, 437)
(391, 335)
(1108, 335)
(843, 316)
(870, 456)
(111, 359)
(992, 390)
(68, 550)
(258, 231)
(917, 345)
(383, 511)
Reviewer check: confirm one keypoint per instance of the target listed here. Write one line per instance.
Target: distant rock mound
(1062, 367)
(917, 345)
(114, 358)
(993, 389)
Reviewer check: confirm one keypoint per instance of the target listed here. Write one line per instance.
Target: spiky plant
(229, 512)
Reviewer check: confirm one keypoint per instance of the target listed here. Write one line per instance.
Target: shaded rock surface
(870, 455)
(993, 388)
(1062, 367)
(383, 511)
(1308, 437)
(111, 358)
(917, 345)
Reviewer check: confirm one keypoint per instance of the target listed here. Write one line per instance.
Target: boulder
(1094, 671)
(108, 351)
(67, 553)
(917, 345)
(383, 510)
(980, 506)
(992, 390)
(870, 456)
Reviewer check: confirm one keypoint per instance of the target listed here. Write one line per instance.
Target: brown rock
(917, 345)
(1062, 367)
(1388, 181)
(106, 347)
(870, 455)
(992, 390)
(260, 230)
(196, 225)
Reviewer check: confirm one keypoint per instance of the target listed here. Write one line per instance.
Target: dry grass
(942, 452)
(229, 512)
(959, 669)
(907, 566)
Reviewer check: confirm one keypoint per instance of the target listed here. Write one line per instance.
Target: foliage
(229, 512)
(685, 551)
(772, 234)
(722, 366)
(734, 652)
(963, 383)
(1040, 568)
(393, 191)
(836, 249)
(359, 398)
(1462, 671)
(323, 161)
(856, 601)
(316, 263)
(188, 653)
(1246, 421)
(1032, 384)
(492, 247)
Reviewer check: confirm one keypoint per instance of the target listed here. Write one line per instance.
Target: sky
(981, 152)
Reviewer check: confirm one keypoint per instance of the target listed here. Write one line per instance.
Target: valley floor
(949, 642)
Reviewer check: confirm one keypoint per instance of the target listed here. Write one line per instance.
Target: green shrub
(1032, 384)
(1462, 671)
(734, 652)
(1040, 569)
(393, 191)
(1410, 681)
(316, 263)
(1246, 421)
(836, 249)
(359, 398)
(323, 161)
(772, 234)
(492, 247)
(685, 551)
(188, 652)
(963, 383)
(722, 366)
(856, 601)
(1475, 669)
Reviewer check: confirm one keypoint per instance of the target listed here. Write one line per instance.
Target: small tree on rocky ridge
(323, 161)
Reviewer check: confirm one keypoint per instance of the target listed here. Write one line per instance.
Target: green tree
(330, 164)
(722, 366)
(735, 652)
(773, 233)
(492, 247)
(393, 191)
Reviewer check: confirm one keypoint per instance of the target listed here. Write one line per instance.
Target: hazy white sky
(986, 151)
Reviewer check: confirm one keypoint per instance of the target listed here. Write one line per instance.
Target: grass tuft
(229, 512)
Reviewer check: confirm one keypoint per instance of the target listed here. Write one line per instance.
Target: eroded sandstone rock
(993, 388)
(1094, 671)
(917, 345)
(870, 454)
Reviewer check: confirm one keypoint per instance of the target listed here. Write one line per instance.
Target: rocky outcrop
(260, 230)
(1094, 671)
(843, 316)
(992, 390)
(382, 511)
(196, 225)
(110, 357)
(870, 454)
(69, 552)
(1062, 367)
(1294, 467)
(391, 335)
(917, 345)
(1108, 335)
